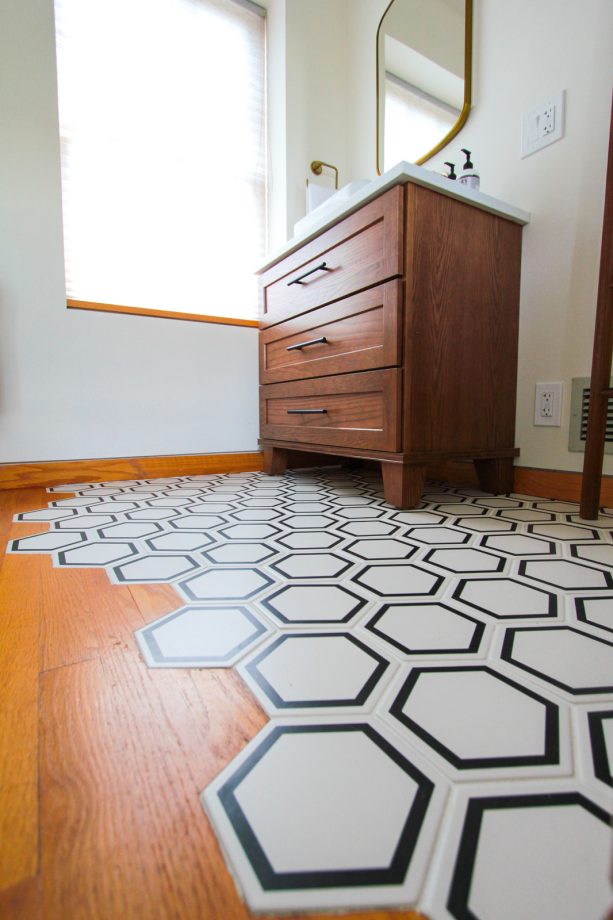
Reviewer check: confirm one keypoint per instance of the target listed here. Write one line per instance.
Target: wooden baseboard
(58, 472)
(562, 485)
(559, 484)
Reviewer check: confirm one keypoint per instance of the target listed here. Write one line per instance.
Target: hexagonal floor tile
(308, 521)
(571, 576)
(151, 514)
(233, 553)
(45, 542)
(597, 611)
(152, 568)
(505, 598)
(84, 522)
(476, 718)
(130, 530)
(96, 554)
(310, 672)
(305, 539)
(179, 542)
(303, 604)
(381, 549)
(465, 560)
(369, 528)
(311, 565)
(558, 531)
(450, 508)
(512, 852)
(432, 535)
(416, 518)
(254, 514)
(201, 522)
(578, 663)
(303, 829)
(600, 553)
(525, 515)
(485, 524)
(248, 531)
(218, 584)
(192, 637)
(46, 514)
(518, 544)
(426, 629)
(396, 580)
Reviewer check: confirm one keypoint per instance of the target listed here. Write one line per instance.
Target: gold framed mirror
(424, 78)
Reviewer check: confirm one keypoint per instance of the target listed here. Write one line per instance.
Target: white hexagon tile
(439, 682)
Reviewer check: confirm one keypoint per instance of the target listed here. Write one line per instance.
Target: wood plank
(561, 484)
(58, 472)
(20, 596)
(96, 615)
(601, 357)
(124, 752)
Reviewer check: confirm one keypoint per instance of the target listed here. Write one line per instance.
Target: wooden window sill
(166, 314)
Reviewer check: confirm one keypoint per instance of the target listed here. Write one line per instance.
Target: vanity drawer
(358, 333)
(352, 410)
(358, 252)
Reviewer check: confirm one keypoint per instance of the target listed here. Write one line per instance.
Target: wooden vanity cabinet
(392, 335)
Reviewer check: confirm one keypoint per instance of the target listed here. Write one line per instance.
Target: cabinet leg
(495, 475)
(403, 484)
(275, 461)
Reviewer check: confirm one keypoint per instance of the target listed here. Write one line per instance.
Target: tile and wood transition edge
(559, 484)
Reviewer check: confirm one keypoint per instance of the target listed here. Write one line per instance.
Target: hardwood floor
(102, 759)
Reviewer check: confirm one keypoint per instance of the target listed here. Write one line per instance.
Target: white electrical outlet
(548, 404)
(543, 125)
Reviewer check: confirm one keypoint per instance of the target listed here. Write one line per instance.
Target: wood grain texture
(102, 759)
(456, 334)
(360, 251)
(360, 410)
(461, 325)
(361, 332)
(560, 484)
(164, 314)
(601, 357)
(58, 472)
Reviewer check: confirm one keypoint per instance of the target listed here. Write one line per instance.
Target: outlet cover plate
(543, 125)
(548, 404)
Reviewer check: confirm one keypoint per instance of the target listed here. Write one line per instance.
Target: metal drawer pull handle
(306, 411)
(299, 345)
(318, 268)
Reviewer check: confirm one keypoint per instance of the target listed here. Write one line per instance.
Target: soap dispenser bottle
(469, 177)
(451, 174)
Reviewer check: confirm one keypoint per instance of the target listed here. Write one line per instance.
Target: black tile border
(270, 880)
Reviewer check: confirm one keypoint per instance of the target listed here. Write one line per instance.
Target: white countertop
(398, 175)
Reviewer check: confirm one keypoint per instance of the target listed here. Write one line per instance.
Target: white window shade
(414, 122)
(162, 128)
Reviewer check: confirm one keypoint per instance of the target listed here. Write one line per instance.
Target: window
(162, 127)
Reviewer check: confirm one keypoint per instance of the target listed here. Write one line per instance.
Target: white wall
(523, 53)
(76, 384)
(91, 385)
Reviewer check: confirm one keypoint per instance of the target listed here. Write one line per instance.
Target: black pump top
(451, 166)
(468, 164)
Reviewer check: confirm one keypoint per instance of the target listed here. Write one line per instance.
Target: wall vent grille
(580, 402)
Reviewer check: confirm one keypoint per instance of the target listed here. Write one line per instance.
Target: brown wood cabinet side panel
(462, 295)
(360, 332)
